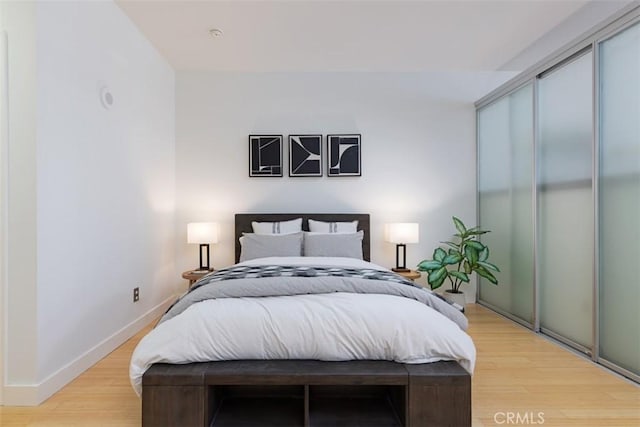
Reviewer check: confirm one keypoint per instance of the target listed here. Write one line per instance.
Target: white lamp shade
(403, 232)
(202, 232)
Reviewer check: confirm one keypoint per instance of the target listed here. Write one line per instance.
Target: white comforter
(331, 327)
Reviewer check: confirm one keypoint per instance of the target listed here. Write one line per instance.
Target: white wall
(19, 22)
(101, 197)
(418, 152)
(587, 17)
(3, 189)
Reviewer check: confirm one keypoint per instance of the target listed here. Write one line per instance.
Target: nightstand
(194, 275)
(411, 274)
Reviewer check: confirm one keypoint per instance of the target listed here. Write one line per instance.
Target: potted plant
(462, 259)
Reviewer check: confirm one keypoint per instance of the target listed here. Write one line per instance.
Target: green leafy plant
(462, 259)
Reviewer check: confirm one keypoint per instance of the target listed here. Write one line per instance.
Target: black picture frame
(344, 155)
(305, 155)
(265, 155)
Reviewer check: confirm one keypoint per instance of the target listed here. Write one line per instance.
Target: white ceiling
(301, 35)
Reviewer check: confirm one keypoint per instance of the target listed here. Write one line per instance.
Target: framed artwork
(265, 155)
(343, 154)
(305, 155)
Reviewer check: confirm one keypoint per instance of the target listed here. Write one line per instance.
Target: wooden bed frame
(306, 393)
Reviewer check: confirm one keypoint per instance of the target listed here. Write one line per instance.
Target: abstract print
(344, 155)
(305, 155)
(265, 155)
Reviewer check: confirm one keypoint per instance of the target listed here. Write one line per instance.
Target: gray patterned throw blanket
(242, 281)
(254, 271)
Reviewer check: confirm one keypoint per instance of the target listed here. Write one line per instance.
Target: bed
(306, 341)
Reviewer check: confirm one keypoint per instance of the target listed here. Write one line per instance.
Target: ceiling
(390, 36)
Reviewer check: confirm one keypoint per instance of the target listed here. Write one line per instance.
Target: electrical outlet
(136, 294)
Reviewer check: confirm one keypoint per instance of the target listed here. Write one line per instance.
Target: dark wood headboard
(243, 225)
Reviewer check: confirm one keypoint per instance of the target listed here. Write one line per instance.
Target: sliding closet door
(565, 202)
(505, 164)
(619, 199)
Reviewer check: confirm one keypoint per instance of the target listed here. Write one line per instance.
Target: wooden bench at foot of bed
(306, 393)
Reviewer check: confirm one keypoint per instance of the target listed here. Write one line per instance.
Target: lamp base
(204, 266)
(401, 267)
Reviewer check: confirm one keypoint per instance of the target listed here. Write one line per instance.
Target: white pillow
(269, 245)
(333, 227)
(347, 245)
(280, 227)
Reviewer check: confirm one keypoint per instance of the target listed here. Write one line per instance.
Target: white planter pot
(457, 298)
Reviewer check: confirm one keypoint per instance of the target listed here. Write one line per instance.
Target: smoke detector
(106, 98)
(215, 33)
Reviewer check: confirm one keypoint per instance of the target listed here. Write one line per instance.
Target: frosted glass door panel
(619, 199)
(495, 197)
(505, 138)
(565, 203)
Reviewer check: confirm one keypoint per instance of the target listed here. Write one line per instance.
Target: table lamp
(402, 233)
(203, 233)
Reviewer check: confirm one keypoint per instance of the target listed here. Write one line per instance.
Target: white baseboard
(35, 394)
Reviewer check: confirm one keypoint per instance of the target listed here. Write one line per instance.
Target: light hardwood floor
(517, 372)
